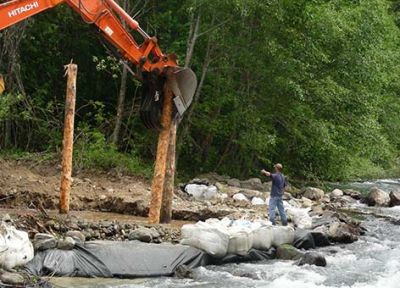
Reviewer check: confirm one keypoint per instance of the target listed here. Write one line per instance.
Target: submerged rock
(312, 258)
(314, 193)
(378, 197)
(288, 252)
(342, 233)
(394, 198)
(352, 193)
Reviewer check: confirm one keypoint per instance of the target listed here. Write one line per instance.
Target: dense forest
(313, 84)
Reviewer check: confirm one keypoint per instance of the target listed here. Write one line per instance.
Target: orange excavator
(153, 66)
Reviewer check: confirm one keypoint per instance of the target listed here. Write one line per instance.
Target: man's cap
(278, 166)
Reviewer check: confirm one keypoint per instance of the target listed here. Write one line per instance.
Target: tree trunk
(120, 106)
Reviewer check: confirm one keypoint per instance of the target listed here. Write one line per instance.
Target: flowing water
(371, 262)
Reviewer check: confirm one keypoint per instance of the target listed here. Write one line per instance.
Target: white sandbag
(240, 197)
(201, 192)
(212, 239)
(257, 201)
(262, 237)
(300, 217)
(240, 240)
(15, 247)
(242, 223)
(282, 235)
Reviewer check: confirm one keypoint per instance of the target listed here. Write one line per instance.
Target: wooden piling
(157, 186)
(169, 183)
(68, 141)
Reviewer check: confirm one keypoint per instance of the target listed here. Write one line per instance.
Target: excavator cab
(182, 82)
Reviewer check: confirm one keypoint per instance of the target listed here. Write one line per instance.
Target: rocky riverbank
(209, 196)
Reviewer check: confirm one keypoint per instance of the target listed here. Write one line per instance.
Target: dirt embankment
(28, 185)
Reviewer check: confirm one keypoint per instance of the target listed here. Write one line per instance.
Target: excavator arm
(147, 56)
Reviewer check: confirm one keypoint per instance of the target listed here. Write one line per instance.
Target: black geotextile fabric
(252, 256)
(304, 239)
(116, 259)
(129, 260)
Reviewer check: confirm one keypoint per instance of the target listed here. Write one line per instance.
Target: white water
(371, 262)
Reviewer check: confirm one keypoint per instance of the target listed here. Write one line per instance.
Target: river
(371, 262)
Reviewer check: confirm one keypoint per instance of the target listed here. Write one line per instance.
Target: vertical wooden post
(168, 193)
(157, 186)
(68, 142)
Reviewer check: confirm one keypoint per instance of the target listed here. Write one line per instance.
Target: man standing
(278, 187)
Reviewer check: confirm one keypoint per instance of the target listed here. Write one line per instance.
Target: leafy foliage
(312, 84)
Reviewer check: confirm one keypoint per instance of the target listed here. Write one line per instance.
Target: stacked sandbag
(211, 238)
(240, 240)
(300, 217)
(262, 237)
(15, 247)
(282, 235)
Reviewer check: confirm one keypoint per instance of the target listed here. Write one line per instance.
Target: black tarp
(131, 259)
(116, 259)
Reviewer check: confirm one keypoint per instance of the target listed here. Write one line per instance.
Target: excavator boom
(107, 15)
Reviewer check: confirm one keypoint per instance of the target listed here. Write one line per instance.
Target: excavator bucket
(183, 83)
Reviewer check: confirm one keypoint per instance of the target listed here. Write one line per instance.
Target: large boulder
(233, 182)
(252, 184)
(378, 197)
(343, 233)
(288, 252)
(336, 193)
(314, 193)
(312, 258)
(394, 198)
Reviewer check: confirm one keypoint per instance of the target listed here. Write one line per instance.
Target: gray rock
(141, 234)
(378, 197)
(66, 244)
(78, 236)
(312, 258)
(7, 218)
(233, 182)
(12, 278)
(394, 198)
(288, 252)
(314, 193)
(252, 184)
(44, 242)
(336, 193)
(250, 193)
(352, 193)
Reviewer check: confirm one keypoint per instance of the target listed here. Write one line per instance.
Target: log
(68, 141)
(169, 183)
(157, 186)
